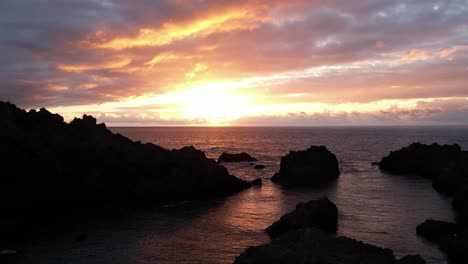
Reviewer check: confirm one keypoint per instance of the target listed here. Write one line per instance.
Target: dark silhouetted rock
(46, 162)
(259, 167)
(236, 157)
(315, 165)
(303, 239)
(314, 246)
(320, 213)
(257, 182)
(436, 231)
(446, 165)
(450, 237)
(411, 259)
(375, 163)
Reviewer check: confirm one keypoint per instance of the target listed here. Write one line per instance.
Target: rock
(315, 165)
(311, 245)
(375, 163)
(436, 231)
(84, 164)
(236, 157)
(304, 239)
(446, 165)
(256, 182)
(259, 167)
(460, 204)
(321, 213)
(411, 259)
(450, 237)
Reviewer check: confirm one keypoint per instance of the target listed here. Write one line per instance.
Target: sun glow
(215, 103)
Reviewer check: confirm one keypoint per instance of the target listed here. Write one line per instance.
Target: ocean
(374, 207)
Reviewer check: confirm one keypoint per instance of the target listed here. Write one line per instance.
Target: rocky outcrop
(311, 245)
(315, 165)
(451, 238)
(447, 167)
(46, 161)
(235, 157)
(302, 242)
(321, 214)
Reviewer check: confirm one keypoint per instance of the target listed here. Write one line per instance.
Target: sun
(215, 103)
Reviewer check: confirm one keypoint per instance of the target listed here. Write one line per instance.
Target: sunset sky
(195, 62)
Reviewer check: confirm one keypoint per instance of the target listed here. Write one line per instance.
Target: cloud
(92, 52)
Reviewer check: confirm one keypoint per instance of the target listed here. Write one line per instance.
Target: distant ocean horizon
(374, 207)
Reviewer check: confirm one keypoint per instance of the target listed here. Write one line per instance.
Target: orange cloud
(114, 64)
(169, 32)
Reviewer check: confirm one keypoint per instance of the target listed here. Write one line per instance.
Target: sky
(236, 62)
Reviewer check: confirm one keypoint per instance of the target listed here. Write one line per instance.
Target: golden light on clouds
(169, 32)
(221, 62)
(116, 63)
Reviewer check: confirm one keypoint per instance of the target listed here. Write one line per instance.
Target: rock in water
(446, 165)
(315, 165)
(437, 231)
(302, 240)
(236, 157)
(45, 160)
(321, 214)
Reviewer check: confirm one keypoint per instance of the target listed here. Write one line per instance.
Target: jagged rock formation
(447, 167)
(47, 161)
(311, 244)
(315, 165)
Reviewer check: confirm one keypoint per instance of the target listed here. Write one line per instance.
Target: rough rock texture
(447, 167)
(320, 213)
(235, 157)
(46, 161)
(315, 165)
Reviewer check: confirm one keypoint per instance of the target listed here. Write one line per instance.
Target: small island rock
(235, 157)
(321, 213)
(315, 165)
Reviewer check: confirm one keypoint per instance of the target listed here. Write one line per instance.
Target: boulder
(315, 165)
(311, 245)
(321, 213)
(235, 157)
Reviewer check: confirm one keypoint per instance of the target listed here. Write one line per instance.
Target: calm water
(374, 207)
